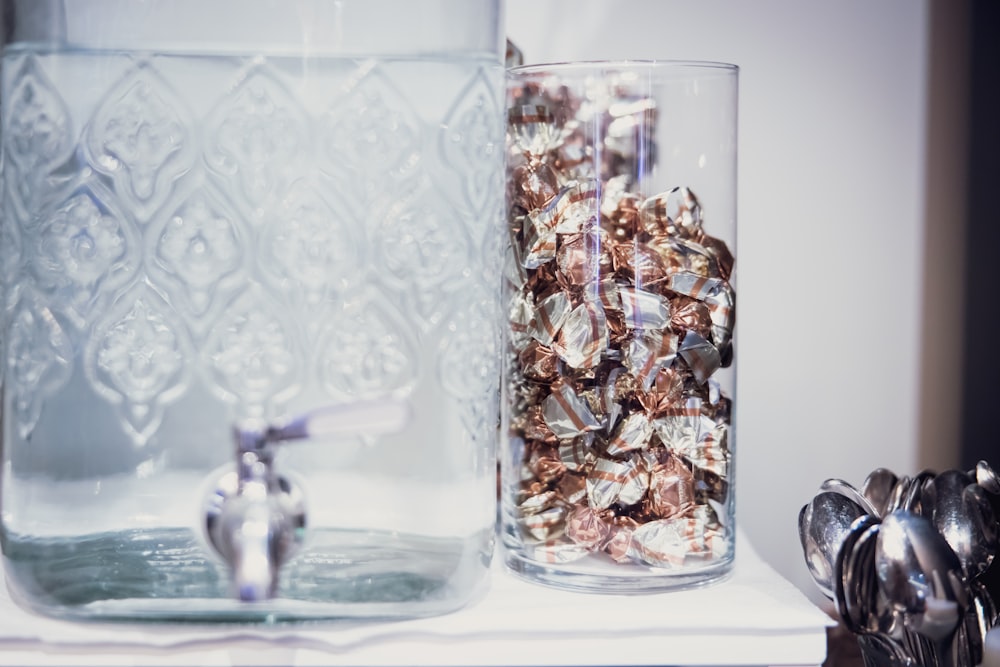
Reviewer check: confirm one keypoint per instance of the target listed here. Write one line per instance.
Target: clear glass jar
(620, 294)
(221, 214)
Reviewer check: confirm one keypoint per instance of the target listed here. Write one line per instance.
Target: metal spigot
(255, 518)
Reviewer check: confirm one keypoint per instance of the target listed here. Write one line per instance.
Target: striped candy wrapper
(649, 352)
(566, 414)
(673, 213)
(670, 542)
(548, 317)
(583, 336)
(693, 285)
(545, 525)
(612, 481)
(533, 128)
(632, 433)
(555, 552)
(644, 310)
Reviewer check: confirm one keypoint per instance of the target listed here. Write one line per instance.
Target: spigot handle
(376, 417)
(255, 518)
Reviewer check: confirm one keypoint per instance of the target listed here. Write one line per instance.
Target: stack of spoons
(907, 562)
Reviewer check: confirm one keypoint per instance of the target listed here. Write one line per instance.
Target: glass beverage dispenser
(249, 254)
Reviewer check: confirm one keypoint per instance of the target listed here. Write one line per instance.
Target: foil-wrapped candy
(670, 543)
(549, 317)
(619, 543)
(556, 552)
(671, 488)
(579, 453)
(546, 465)
(537, 185)
(533, 128)
(539, 363)
(545, 524)
(614, 481)
(583, 336)
(586, 528)
(701, 356)
(572, 489)
(673, 213)
(631, 434)
(639, 264)
(565, 414)
(644, 310)
(687, 314)
(648, 353)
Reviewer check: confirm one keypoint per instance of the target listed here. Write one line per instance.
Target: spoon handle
(878, 650)
(943, 651)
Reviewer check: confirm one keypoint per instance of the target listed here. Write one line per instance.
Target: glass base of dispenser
(165, 575)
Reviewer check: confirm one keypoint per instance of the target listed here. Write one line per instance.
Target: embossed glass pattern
(206, 220)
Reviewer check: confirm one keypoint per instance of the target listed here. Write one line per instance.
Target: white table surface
(755, 617)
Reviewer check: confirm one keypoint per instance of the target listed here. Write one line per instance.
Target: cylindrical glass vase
(282, 217)
(617, 468)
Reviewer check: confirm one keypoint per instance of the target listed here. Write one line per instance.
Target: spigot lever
(256, 518)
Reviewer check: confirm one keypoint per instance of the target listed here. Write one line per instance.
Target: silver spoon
(979, 619)
(922, 578)
(962, 513)
(912, 499)
(834, 485)
(823, 526)
(865, 602)
(878, 488)
(882, 651)
(847, 584)
(987, 477)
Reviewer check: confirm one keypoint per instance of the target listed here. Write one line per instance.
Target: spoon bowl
(878, 489)
(839, 486)
(824, 524)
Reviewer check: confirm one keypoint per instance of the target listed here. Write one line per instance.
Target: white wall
(831, 225)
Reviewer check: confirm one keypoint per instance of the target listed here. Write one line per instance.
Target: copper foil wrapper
(621, 313)
(546, 524)
(572, 489)
(701, 356)
(586, 528)
(583, 336)
(644, 310)
(613, 481)
(673, 213)
(631, 434)
(566, 415)
(671, 488)
(533, 128)
(539, 363)
(647, 354)
(556, 552)
(619, 543)
(537, 185)
(548, 318)
(673, 543)
(578, 454)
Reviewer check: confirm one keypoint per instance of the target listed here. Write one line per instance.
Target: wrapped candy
(565, 414)
(622, 314)
(613, 481)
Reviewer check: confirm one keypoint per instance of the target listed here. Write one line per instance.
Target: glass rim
(654, 65)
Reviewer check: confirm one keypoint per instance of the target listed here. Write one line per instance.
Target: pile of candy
(620, 313)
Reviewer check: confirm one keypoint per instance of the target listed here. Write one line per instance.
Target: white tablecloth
(755, 617)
